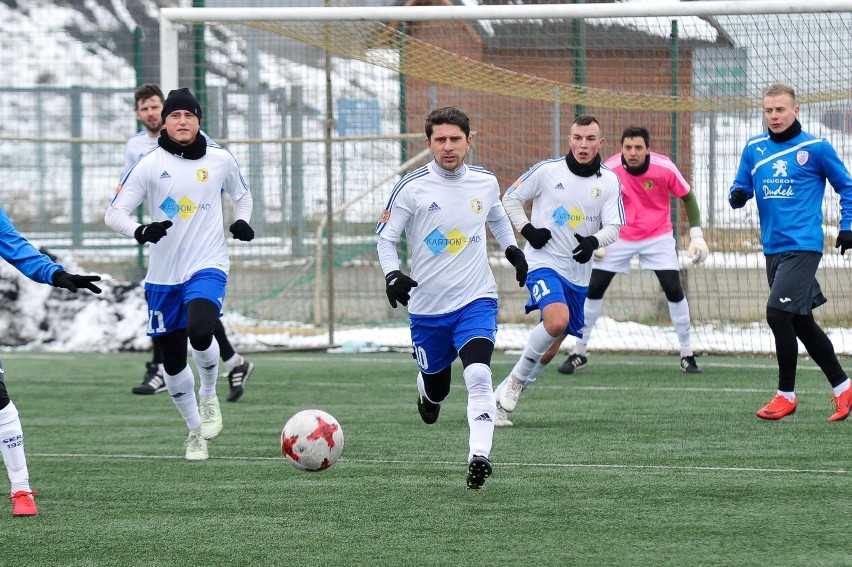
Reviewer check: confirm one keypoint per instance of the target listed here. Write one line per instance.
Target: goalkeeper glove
(737, 198)
(698, 249)
(72, 282)
(242, 231)
(538, 237)
(844, 241)
(398, 287)
(151, 232)
(585, 248)
(516, 257)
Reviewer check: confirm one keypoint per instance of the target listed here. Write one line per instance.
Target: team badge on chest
(202, 174)
(802, 157)
(476, 205)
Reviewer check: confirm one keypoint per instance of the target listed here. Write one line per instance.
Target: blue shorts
(437, 339)
(546, 287)
(167, 303)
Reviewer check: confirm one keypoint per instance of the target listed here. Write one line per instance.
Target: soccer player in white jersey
(18, 251)
(443, 208)
(576, 208)
(182, 181)
(648, 181)
(149, 108)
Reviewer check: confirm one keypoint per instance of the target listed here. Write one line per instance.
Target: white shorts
(656, 253)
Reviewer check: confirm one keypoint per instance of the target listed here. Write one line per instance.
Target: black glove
(398, 286)
(71, 282)
(585, 248)
(151, 232)
(242, 231)
(844, 241)
(738, 198)
(516, 257)
(538, 237)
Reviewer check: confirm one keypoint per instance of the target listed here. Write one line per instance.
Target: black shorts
(793, 286)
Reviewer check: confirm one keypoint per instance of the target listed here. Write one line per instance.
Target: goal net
(324, 108)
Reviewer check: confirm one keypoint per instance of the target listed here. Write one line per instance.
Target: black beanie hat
(181, 99)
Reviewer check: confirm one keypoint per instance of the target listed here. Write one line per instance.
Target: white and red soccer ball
(312, 440)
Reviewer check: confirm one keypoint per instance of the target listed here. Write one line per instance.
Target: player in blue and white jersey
(443, 208)
(785, 170)
(576, 208)
(182, 181)
(148, 99)
(18, 251)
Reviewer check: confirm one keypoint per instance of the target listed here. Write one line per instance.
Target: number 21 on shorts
(539, 290)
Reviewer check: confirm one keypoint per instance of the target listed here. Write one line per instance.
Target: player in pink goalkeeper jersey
(648, 179)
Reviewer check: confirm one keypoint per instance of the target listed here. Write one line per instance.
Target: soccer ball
(312, 440)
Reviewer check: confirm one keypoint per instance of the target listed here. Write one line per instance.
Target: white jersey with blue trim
(140, 144)
(565, 203)
(137, 146)
(443, 215)
(188, 193)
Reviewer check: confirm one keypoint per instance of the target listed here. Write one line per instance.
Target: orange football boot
(843, 403)
(777, 408)
(23, 503)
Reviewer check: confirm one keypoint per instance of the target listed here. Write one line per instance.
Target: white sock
(481, 409)
(234, 361)
(537, 344)
(207, 363)
(842, 387)
(537, 369)
(534, 373)
(791, 396)
(592, 309)
(182, 390)
(679, 313)
(12, 448)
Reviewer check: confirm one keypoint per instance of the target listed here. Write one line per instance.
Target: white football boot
(510, 394)
(211, 416)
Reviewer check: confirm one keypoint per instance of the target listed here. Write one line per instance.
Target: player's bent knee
(437, 385)
(477, 378)
(670, 282)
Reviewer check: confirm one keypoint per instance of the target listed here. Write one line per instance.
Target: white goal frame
(171, 18)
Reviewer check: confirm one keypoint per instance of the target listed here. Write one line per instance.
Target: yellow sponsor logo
(186, 207)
